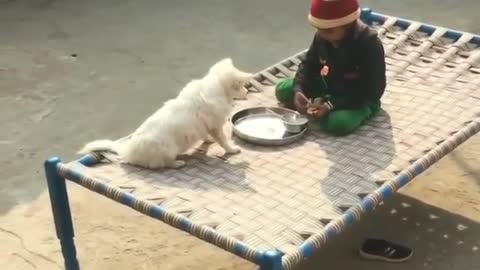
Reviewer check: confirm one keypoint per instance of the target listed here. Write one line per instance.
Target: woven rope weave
(295, 197)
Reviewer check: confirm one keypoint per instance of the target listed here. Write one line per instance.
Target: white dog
(199, 111)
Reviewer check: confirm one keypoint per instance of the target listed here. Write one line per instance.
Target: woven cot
(276, 206)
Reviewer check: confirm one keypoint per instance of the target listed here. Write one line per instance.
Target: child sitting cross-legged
(342, 78)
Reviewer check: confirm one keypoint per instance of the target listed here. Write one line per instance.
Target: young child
(340, 83)
(343, 73)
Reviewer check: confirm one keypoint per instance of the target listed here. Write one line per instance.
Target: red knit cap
(333, 13)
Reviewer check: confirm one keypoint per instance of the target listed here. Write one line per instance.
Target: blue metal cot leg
(61, 213)
(272, 260)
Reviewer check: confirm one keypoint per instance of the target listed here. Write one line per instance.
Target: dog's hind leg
(165, 163)
(171, 161)
(176, 164)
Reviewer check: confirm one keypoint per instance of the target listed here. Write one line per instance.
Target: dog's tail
(100, 145)
(106, 146)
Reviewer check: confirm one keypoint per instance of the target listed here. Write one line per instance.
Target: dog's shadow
(202, 173)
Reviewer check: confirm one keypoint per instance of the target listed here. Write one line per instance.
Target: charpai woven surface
(278, 197)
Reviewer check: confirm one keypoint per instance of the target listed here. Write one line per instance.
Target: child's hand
(318, 111)
(301, 102)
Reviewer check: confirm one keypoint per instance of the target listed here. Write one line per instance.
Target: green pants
(337, 122)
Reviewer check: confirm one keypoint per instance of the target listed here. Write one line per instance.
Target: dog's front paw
(233, 150)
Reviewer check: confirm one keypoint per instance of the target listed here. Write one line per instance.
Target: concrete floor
(72, 71)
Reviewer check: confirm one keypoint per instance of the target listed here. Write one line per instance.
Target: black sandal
(383, 250)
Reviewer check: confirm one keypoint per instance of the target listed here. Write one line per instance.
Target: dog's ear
(226, 62)
(222, 65)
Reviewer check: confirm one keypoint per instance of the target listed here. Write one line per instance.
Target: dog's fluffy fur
(198, 113)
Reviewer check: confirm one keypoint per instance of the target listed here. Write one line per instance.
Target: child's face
(335, 34)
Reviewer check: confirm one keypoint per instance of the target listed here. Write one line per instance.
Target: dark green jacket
(356, 69)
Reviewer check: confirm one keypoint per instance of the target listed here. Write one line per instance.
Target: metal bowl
(294, 122)
(267, 125)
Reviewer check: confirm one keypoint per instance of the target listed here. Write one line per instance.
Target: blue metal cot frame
(57, 173)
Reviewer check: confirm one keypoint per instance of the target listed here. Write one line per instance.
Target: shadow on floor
(441, 240)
